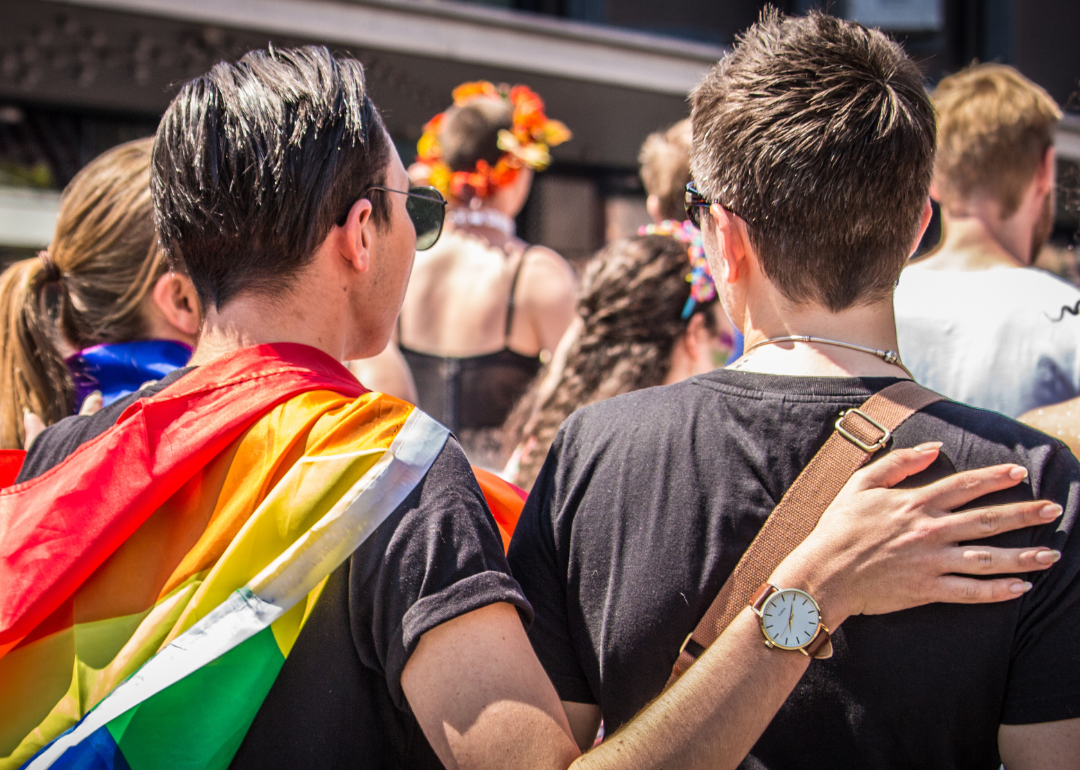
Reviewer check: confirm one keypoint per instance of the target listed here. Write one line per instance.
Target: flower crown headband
(525, 143)
(702, 287)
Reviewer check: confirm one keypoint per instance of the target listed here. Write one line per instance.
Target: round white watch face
(790, 618)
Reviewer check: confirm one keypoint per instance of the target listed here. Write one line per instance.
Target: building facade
(79, 76)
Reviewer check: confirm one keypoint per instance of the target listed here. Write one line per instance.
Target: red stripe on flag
(11, 461)
(56, 529)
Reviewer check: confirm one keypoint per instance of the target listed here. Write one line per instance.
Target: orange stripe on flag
(505, 501)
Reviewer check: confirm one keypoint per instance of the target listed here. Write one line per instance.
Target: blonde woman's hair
(993, 128)
(87, 289)
(665, 168)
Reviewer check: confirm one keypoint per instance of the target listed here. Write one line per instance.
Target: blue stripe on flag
(98, 751)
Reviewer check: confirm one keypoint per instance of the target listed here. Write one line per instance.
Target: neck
(976, 240)
(257, 320)
(483, 218)
(869, 326)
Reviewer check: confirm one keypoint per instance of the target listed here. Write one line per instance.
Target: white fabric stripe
(296, 572)
(245, 613)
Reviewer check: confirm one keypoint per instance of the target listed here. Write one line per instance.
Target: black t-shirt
(647, 501)
(337, 701)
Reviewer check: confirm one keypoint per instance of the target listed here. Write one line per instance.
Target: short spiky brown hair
(819, 134)
(994, 126)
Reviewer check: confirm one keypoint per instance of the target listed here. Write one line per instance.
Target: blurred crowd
(503, 342)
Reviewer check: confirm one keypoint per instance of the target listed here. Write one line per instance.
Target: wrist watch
(791, 620)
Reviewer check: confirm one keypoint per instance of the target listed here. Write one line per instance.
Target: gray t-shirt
(997, 339)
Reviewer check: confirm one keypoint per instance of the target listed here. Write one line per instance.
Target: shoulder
(57, 442)
(545, 276)
(637, 420)
(976, 438)
(985, 425)
(1042, 283)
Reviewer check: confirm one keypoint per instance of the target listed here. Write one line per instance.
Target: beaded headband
(702, 287)
(525, 143)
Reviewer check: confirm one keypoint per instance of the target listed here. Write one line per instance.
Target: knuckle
(989, 520)
(925, 531)
(970, 591)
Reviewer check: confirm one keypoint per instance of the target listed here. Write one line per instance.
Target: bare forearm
(714, 714)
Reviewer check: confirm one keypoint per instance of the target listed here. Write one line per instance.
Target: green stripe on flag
(200, 721)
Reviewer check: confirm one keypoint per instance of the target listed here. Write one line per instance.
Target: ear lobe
(730, 241)
(652, 205)
(1045, 177)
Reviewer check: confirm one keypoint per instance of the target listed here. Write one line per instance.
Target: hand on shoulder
(878, 549)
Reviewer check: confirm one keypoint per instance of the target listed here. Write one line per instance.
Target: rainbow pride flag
(153, 584)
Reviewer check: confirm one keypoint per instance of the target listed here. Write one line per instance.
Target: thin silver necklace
(888, 356)
(492, 218)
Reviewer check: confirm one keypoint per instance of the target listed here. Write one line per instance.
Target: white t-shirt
(997, 339)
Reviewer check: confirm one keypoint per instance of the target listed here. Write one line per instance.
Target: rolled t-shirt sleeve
(1044, 671)
(438, 556)
(541, 571)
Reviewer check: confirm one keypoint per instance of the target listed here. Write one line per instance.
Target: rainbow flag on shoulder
(153, 584)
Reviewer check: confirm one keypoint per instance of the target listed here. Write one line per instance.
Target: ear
(694, 337)
(175, 296)
(1045, 176)
(357, 236)
(652, 205)
(927, 215)
(935, 193)
(732, 244)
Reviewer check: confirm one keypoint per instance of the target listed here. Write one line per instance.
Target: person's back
(483, 305)
(974, 320)
(647, 501)
(643, 554)
(239, 532)
(998, 339)
(648, 316)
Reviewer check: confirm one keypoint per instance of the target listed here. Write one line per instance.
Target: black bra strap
(510, 303)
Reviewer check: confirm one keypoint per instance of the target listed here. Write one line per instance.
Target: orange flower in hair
(526, 143)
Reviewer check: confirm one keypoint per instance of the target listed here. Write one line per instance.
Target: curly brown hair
(632, 295)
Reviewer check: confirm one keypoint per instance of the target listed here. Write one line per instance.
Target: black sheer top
(473, 392)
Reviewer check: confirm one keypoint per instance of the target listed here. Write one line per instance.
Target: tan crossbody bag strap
(859, 434)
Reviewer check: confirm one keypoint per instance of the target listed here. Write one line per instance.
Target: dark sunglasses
(426, 208)
(695, 201)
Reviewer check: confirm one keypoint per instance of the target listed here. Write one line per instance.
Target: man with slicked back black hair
(344, 529)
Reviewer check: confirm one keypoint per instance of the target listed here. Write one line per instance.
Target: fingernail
(1019, 588)
(1018, 472)
(1047, 557)
(929, 446)
(94, 394)
(1050, 512)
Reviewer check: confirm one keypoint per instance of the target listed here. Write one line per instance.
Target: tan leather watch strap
(859, 434)
(823, 639)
